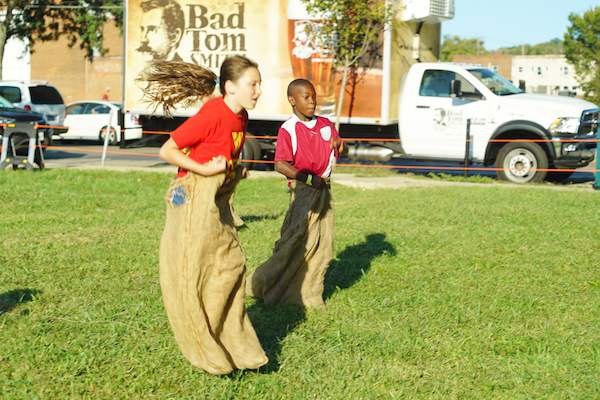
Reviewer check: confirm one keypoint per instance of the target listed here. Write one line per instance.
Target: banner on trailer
(277, 34)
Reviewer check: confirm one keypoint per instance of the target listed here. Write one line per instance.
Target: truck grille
(589, 122)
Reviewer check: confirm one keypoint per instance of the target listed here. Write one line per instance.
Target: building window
(520, 69)
(539, 70)
(565, 70)
(574, 87)
(565, 87)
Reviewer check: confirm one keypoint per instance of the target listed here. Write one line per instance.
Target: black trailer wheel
(250, 152)
(522, 162)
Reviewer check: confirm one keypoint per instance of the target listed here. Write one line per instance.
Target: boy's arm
(291, 172)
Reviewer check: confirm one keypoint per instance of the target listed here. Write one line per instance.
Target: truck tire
(250, 151)
(522, 162)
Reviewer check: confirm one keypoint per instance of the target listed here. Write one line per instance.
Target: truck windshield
(495, 82)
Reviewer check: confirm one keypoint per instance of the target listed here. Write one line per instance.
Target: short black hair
(296, 83)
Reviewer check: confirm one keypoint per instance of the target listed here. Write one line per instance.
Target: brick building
(76, 76)
(497, 62)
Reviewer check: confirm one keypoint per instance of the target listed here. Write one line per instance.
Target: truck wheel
(250, 151)
(522, 162)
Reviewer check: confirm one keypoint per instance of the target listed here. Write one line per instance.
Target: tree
(582, 49)
(455, 46)
(45, 20)
(554, 46)
(349, 28)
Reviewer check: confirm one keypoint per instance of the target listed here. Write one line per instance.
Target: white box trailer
(402, 100)
(205, 32)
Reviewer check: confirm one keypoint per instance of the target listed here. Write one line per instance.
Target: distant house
(546, 74)
(549, 74)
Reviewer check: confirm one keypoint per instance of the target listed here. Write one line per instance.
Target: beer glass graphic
(310, 55)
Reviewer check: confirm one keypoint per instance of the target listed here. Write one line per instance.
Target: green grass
(440, 292)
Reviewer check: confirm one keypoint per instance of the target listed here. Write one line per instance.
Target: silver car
(39, 97)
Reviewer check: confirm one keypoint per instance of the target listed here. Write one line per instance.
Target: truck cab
(528, 137)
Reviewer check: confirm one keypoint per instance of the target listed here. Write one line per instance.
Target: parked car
(89, 119)
(20, 141)
(39, 97)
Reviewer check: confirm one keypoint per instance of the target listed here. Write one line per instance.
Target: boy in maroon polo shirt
(307, 146)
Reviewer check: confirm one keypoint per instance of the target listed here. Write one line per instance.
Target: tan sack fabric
(296, 270)
(202, 276)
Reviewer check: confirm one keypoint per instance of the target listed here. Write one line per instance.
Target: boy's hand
(339, 145)
(318, 182)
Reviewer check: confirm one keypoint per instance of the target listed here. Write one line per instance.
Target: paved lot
(85, 156)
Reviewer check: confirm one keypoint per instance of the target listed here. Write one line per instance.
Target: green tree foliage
(554, 46)
(582, 49)
(455, 46)
(349, 29)
(45, 20)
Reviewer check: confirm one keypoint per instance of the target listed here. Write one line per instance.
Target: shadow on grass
(10, 300)
(272, 323)
(354, 262)
(255, 218)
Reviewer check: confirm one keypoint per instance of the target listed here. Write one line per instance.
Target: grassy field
(441, 292)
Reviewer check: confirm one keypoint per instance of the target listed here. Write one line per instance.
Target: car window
(11, 93)
(99, 109)
(5, 103)
(75, 109)
(45, 95)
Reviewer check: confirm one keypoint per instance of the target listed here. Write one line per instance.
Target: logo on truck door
(447, 118)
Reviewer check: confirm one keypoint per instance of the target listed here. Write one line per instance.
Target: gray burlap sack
(296, 270)
(202, 276)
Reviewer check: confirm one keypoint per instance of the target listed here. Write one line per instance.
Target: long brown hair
(175, 83)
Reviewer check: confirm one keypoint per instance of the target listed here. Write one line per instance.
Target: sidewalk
(146, 159)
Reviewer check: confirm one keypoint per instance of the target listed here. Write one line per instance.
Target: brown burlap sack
(296, 270)
(202, 276)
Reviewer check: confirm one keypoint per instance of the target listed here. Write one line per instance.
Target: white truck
(400, 102)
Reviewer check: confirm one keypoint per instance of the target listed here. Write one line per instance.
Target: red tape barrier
(458, 168)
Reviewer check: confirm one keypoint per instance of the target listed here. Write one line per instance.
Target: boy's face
(304, 100)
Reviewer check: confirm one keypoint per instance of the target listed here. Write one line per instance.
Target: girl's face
(244, 93)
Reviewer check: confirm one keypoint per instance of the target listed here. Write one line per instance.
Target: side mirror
(455, 88)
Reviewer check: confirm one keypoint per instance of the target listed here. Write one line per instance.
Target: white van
(39, 97)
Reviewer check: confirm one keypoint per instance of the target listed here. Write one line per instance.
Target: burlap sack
(202, 276)
(296, 270)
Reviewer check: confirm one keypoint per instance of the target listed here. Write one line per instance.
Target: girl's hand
(215, 166)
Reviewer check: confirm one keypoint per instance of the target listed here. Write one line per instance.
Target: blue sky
(507, 23)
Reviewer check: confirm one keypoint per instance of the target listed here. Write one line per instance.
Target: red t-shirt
(307, 145)
(215, 130)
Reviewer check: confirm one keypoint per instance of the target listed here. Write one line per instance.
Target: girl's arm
(291, 172)
(171, 153)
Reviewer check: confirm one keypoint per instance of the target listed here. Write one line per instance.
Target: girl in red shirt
(202, 265)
